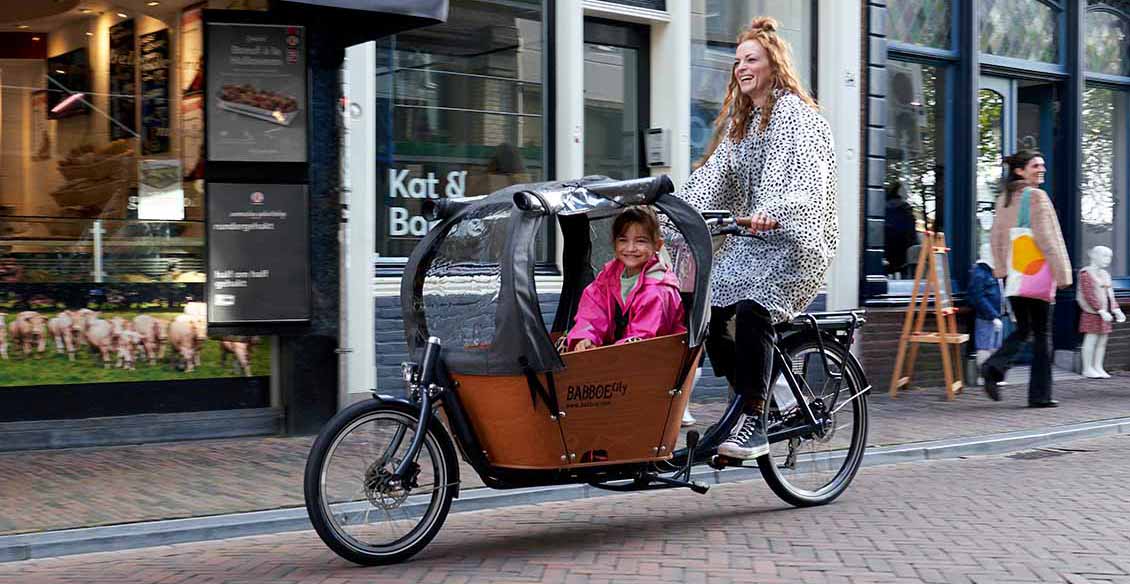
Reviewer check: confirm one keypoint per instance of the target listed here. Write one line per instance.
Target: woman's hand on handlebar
(758, 222)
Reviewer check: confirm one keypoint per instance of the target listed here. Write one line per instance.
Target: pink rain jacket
(654, 307)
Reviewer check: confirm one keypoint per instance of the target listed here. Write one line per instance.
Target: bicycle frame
(431, 388)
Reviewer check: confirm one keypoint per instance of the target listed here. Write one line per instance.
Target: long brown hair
(1017, 161)
(737, 106)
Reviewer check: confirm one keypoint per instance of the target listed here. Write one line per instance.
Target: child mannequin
(1099, 308)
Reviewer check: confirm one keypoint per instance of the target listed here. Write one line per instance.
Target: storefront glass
(916, 161)
(1108, 42)
(101, 192)
(920, 22)
(1106, 174)
(715, 26)
(1021, 29)
(460, 113)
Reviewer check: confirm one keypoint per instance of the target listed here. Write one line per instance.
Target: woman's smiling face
(751, 68)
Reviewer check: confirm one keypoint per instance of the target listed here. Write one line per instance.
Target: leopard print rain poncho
(787, 172)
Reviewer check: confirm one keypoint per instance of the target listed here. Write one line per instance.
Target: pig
(3, 336)
(100, 338)
(127, 343)
(79, 320)
(240, 348)
(154, 336)
(187, 334)
(28, 330)
(61, 328)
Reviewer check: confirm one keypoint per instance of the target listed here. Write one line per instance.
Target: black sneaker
(992, 381)
(747, 441)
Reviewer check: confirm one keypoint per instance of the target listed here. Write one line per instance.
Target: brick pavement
(60, 489)
(1054, 515)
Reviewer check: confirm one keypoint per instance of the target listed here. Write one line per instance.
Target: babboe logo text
(587, 392)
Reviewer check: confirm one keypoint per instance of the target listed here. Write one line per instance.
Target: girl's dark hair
(1017, 161)
(642, 216)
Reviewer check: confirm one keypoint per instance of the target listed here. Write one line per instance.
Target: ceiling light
(154, 3)
(22, 26)
(35, 38)
(60, 72)
(86, 11)
(67, 102)
(89, 34)
(123, 15)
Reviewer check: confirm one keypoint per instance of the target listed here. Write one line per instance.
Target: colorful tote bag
(1029, 275)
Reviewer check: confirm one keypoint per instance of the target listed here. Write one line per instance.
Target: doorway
(616, 99)
(1013, 114)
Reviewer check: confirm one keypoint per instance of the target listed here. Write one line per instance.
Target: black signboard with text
(258, 254)
(155, 112)
(123, 81)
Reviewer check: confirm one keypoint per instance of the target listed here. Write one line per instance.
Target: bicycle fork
(424, 389)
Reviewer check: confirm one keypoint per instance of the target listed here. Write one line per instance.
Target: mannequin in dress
(1099, 309)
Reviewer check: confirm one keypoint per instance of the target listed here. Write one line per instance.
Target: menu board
(155, 114)
(258, 241)
(256, 102)
(123, 81)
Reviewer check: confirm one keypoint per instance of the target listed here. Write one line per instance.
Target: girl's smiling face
(634, 248)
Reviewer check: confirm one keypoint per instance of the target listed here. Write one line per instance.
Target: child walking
(635, 296)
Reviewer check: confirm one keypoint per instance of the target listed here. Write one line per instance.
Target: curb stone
(172, 531)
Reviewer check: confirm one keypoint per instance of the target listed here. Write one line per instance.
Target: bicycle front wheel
(355, 503)
(813, 469)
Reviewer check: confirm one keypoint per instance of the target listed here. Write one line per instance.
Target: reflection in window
(990, 153)
(920, 22)
(1022, 29)
(1108, 43)
(1103, 211)
(459, 113)
(716, 24)
(915, 187)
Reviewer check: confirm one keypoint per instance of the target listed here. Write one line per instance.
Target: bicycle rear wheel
(813, 470)
(354, 502)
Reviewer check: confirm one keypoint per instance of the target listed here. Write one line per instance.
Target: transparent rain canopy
(463, 282)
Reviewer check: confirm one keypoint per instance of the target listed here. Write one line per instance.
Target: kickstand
(682, 478)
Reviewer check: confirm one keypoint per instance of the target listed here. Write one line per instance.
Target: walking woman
(1029, 253)
(772, 164)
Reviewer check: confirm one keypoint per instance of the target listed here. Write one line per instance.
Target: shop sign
(155, 112)
(258, 240)
(256, 102)
(404, 219)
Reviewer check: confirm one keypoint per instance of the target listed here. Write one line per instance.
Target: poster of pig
(62, 334)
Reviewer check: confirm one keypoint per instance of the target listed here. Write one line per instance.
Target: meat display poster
(155, 114)
(256, 102)
(123, 81)
(257, 254)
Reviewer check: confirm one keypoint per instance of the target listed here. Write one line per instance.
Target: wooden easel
(931, 283)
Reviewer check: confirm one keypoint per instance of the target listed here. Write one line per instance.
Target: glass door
(616, 98)
(1012, 114)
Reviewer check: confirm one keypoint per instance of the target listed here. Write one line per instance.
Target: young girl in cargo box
(635, 296)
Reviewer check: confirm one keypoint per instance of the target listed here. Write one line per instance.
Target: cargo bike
(486, 383)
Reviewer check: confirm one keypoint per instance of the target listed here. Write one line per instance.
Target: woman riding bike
(771, 163)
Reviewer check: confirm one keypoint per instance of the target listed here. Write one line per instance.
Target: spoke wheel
(815, 468)
(355, 502)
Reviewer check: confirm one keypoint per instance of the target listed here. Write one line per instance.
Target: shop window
(1021, 29)
(1106, 174)
(916, 162)
(990, 153)
(1108, 42)
(460, 113)
(717, 24)
(101, 222)
(920, 22)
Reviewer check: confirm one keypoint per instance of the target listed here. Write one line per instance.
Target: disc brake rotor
(383, 489)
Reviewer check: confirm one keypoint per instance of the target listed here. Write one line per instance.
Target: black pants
(745, 358)
(1031, 320)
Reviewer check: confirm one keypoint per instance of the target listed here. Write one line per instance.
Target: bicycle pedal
(719, 462)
